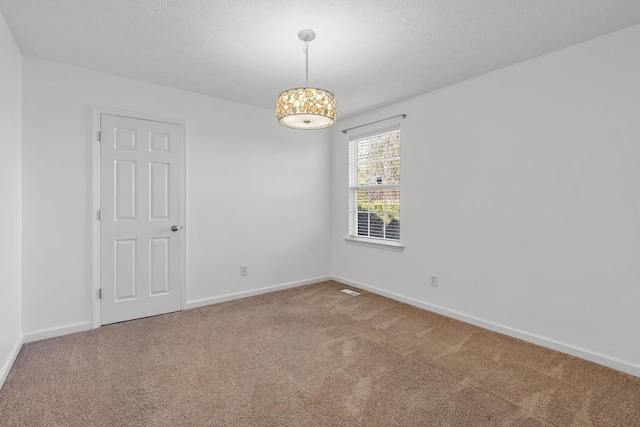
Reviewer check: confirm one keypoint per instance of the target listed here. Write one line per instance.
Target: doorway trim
(97, 110)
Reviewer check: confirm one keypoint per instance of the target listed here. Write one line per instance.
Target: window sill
(375, 243)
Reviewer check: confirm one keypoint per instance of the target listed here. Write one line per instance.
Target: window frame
(353, 235)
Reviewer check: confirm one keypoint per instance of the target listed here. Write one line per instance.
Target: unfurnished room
(333, 213)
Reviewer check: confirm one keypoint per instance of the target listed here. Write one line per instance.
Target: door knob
(175, 228)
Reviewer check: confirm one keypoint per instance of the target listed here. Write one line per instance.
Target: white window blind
(374, 186)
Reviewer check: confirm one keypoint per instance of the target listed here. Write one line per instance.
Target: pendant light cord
(306, 52)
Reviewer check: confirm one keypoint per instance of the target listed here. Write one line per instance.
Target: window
(374, 186)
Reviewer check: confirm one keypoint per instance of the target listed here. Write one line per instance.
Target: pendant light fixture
(306, 107)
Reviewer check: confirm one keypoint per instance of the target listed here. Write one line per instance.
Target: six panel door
(141, 186)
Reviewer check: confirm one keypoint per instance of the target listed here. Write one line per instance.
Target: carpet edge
(8, 364)
(252, 292)
(618, 364)
(57, 331)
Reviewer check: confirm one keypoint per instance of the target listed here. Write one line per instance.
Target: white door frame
(97, 111)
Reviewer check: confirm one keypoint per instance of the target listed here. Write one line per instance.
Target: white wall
(521, 190)
(258, 194)
(10, 321)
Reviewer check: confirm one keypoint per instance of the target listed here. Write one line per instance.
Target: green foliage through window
(375, 186)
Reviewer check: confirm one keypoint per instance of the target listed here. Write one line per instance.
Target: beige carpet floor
(309, 356)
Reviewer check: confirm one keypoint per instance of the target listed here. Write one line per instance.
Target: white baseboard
(237, 295)
(563, 347)
(56, 331)
(6, 366)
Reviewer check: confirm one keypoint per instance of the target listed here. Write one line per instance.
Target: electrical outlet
(434, 280)
(244, 270)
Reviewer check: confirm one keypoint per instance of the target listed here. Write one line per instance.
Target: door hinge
(99, 215)
(100, 293)
(99, 136)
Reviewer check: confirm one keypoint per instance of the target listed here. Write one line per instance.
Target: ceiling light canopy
(306, 107)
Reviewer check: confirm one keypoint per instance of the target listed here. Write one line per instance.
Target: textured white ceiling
(368, 53)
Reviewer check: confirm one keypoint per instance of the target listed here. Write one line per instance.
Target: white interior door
(141, 207)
